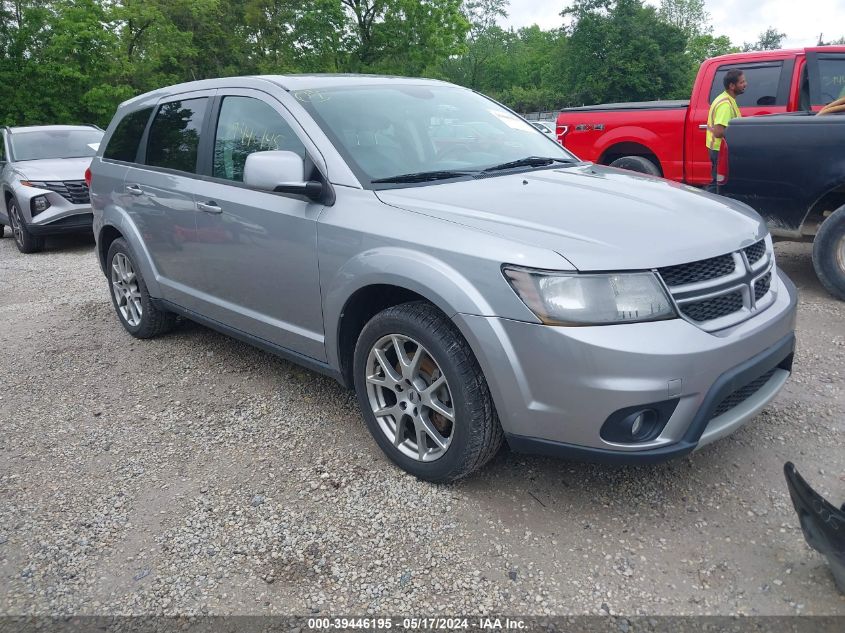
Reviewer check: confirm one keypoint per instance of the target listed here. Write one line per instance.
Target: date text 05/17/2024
(414, 624)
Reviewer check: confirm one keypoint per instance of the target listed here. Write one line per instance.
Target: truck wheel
(637, 163)
(423, 396)
(829, 253)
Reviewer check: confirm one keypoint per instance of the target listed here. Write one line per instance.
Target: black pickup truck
(790, 168)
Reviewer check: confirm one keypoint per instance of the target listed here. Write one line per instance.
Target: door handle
(209, 207)
(135, 190)
(703, 126)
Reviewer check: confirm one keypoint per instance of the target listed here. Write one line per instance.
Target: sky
(741, 20)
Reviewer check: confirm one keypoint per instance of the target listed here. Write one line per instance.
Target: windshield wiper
(423, 176)
(529, 161)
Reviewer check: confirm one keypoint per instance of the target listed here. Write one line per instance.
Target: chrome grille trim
(717, 299)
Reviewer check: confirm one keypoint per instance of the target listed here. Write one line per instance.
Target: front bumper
(62, 216)
(555, 387)
(78, 223)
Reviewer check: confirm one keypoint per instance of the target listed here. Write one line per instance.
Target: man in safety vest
(722, 110)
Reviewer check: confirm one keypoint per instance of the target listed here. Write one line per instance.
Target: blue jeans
(713, 187)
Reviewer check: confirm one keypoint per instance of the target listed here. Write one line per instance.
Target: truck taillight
(723, 165)
(561, 132)
(87, 177)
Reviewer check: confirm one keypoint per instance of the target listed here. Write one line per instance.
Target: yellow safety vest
(712, 120)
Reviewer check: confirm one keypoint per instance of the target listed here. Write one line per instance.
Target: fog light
(39, 204)
(637, 425)
(633, 425)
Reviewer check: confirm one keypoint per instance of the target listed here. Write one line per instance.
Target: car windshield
(385, 131)
(41, 144)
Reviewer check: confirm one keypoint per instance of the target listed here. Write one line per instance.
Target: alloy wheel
(17, 223)
(410, 397)
(127, 295)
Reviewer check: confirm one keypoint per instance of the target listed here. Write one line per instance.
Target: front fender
(412, 270)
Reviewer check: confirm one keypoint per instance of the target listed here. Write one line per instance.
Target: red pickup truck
(666, 138)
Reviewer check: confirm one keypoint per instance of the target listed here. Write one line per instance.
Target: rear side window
(248, 125)
(123, 144)
(762, 90)
(832, 79)
(175, 134)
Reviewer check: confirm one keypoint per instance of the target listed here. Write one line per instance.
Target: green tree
(403, 36)
(688, 15)
(296, 35)
(691, 17)
(620, 50)
(840, 41)
(484, 40)
(770, 40)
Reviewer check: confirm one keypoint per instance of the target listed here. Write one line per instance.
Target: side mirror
(282, 172)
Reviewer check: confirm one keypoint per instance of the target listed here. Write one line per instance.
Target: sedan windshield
(41, 144)
(406, 133)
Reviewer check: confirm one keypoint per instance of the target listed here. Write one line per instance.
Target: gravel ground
(193, 474)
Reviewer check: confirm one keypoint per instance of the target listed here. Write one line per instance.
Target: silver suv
(471, 288)
(42, 181)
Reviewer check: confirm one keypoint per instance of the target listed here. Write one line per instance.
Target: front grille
(755, 252)
(698, 271)
(714, 308)
(75, 191)
(721, 291)
(762, 285)
(742, 394)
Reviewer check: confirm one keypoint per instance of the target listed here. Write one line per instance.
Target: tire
(141, 317)
(829, 254)
(473, 436)
(637, 163)
(24, 240)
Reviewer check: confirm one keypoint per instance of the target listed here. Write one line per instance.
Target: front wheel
(829, 253)
(24, 240)
(423, 395)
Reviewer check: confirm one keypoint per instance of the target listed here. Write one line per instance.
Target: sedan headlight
(559, 298)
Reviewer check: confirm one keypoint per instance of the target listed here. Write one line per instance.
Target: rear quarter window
(123, 144)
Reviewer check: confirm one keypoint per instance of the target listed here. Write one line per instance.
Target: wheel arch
(118, 224)
(374, 281)
(830, 201)
(108, 234)
(629, 148)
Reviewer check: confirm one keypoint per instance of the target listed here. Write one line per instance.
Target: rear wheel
(829, 253)
(637, 163)
(422, 394)
(141, 317)
(25, 241)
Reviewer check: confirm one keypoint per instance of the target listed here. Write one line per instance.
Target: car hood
(53, 168)
(598, 218)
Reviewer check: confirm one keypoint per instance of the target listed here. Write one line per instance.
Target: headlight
(591, 299)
